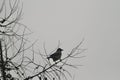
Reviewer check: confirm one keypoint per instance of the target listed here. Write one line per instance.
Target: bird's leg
(60, 60)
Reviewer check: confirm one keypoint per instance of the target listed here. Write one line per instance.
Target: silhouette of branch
(19, 59)
(54, 69)
(2, 66)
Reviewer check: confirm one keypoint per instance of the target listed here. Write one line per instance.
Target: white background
(98, 21)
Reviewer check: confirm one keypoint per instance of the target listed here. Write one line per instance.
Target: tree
(17, 53)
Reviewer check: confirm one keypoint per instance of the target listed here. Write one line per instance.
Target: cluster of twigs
(17, 60)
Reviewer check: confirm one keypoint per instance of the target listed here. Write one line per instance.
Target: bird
(57, 55)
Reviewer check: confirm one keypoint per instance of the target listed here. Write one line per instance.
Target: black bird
(57, 55)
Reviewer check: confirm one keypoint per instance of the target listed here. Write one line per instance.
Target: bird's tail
(48, 58)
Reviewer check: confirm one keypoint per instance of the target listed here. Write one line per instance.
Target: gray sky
(98, 21)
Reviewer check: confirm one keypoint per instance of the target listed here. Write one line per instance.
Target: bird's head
(59, 49)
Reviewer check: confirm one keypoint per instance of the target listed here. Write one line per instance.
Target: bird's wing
(54, 54)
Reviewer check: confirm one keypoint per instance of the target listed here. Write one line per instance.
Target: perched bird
(57, 55)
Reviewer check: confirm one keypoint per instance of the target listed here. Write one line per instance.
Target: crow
(57, 55)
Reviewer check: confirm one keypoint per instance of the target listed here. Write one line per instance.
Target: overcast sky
(97, 21)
